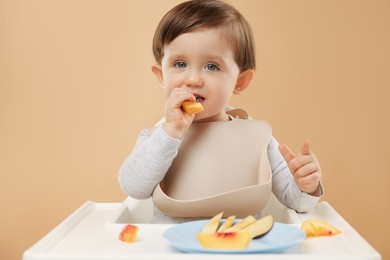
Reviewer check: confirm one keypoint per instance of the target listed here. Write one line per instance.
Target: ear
(243, 81)
(157, 70)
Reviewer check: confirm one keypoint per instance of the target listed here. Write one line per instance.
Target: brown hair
(193, 15)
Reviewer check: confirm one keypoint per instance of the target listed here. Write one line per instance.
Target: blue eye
(180, 65)
(212, 67)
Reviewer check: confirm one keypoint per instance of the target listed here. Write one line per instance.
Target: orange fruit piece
(128, 233)
(192, 107)
(316, 227)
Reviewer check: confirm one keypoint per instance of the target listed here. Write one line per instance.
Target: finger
(299, 161)
(286, 152)
(306, 147)
(178, 96)
(306, 170)
(310, 180)
(182, 95)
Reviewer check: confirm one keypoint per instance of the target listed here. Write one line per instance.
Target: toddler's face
(202, 63)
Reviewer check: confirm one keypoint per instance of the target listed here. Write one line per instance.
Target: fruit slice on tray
(128, 233)
(229, 236)
(316, 227)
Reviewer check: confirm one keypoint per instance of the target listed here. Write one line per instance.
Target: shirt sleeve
(148, 163)
(283, 183)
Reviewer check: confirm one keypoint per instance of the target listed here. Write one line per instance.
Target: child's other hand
(305, 168)
(176, 121)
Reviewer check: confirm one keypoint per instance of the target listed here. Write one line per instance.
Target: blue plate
(281, 237)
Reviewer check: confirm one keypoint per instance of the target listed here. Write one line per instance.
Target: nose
(194, 79)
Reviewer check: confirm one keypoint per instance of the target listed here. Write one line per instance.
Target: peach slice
(226, 240)
(191, 107)
(212, 225)
(128, 233)
(316, 227)
(227, 224)
(229, 236)
(261, 226)
(242, 224)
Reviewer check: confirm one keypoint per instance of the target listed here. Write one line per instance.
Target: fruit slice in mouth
(191, 107)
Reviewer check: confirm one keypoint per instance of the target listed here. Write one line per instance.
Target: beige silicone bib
(220, 166)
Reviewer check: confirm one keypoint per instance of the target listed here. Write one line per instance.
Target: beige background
(76, 88)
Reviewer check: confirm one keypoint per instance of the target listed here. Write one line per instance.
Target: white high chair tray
(86, 234)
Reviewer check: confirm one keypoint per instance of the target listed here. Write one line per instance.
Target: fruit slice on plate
(234, 237)
(128, 233)
(316, 227)
(212, 225)
(261, 227)
(242, 224)
(227, 224)
(225, 240)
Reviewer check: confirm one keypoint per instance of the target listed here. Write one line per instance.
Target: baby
(197, 165)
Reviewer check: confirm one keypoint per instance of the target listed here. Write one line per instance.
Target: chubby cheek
(167, 91)
(219, 102)
(168, 87)
(170, 84)
(222, 102)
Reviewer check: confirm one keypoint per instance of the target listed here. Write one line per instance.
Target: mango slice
(191, 107)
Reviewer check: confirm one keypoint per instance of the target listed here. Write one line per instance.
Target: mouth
(199, 98)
